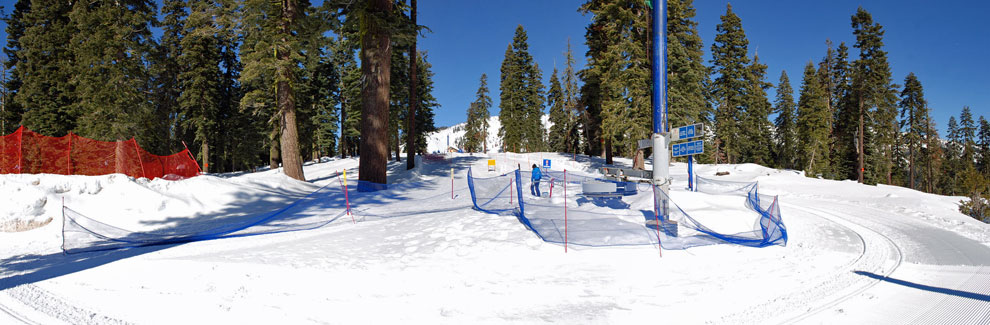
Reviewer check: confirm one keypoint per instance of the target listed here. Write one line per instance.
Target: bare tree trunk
(291, 158)
(608, 150)
(861, 148)
(376, 60)
(273, 149)
(398, 153)
(411, 126)
(206, 155)
(911, 164)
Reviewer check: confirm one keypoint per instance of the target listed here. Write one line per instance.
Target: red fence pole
(346, 199)
(140, 161)
(20, 150)
(565, 211)
(510, 191)
(199, 170)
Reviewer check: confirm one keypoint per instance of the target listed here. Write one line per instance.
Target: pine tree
(619, 74)
(477, 121)
(914, 114)
(571, 103)
(44, 66)
(875, 98)
(521, 97)
(813, 123)
(786, 135)
(754, 122)
(426, 103)
(326, 82)
(509, 103)
(729, 70)
(983, 149)
(934, 157)
(11, 112)
(967, 133)
(258, 75)
(558, 116)
(844, 132)
(165, 70)
(686, 73)
(200, 79)
(952, 167)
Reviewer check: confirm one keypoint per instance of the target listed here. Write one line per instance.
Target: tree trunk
(411, 126)
(398, 151)
(376, 61)
(861, 147)
(911, 164)
(273, 149)
(206, 156)
(291, 158)
(608, 151)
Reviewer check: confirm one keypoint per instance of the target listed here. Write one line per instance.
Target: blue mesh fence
(638, 218)
(324, 206)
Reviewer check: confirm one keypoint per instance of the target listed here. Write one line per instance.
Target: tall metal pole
(661, 155)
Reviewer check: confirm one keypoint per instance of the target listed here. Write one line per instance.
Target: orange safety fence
(27, 152)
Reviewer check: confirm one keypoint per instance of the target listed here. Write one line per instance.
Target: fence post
(510, 191)
(198, 170)
(346, 199)
(451, 183)
(20, 150)
(140, 161)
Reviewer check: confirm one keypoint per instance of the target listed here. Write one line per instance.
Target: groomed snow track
(955, 270)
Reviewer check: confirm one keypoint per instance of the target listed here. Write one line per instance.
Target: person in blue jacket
(535, 187)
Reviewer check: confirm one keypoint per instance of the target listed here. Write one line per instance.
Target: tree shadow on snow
(265, 211)
(947, 291)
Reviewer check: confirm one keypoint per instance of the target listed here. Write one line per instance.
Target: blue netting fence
(634, 214)
(323, 207)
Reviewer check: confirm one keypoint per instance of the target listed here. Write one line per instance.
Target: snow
(856, 254)
(437, 141)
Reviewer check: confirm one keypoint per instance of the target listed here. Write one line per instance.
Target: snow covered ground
(856, 254)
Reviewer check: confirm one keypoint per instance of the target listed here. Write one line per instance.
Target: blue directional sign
(546, 163)
(688, 148)
(687, 132)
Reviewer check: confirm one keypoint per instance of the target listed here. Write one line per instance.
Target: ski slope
(856, 254)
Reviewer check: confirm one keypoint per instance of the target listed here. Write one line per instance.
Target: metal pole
(661, 155)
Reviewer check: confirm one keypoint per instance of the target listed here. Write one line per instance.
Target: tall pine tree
(559, 119)
(477, 119)
(914, 115)
(729, 71)
(786, 129)
(875, 98)
(521, 101)
(814, 122)
(44, 66)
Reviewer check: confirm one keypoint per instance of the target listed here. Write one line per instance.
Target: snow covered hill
(418, 253)
(438, 141)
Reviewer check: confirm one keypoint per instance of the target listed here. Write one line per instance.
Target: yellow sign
(491, 165)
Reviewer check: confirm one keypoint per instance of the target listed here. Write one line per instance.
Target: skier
(535, 187)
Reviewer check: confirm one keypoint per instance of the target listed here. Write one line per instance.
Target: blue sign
(546, 163)
(688, 148)
(687, 132)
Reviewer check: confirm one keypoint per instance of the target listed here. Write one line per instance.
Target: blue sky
(945, 43)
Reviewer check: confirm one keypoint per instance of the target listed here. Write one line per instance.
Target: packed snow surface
(419, 253)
